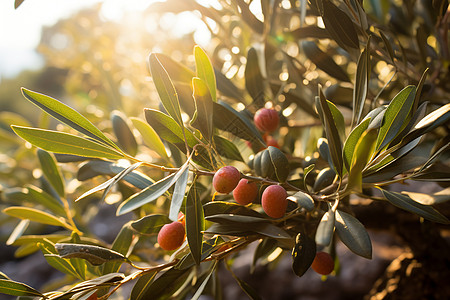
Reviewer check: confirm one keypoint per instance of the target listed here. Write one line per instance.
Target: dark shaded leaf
(150, 224)
(332, 133)
(94, 254)
(250, 291)
(303, 200)
(122, 244)
(227, 149)
(303, 254)
(227, 87)
(308, 32)
(122, 131)
(406, 203)
(219, 207)
(339, 26)
(353, 234)
(208, 247)
(200, 289)
(15, 288)
(254, 81)
(195, 223)
(427, 199)
(165, 89)
(228, 119)
(51, 171)
(388, 46)
(65, 143)
(323, 61)
(361, 87)
(264, 249)
(93, 284)
(165, 285)
(141, 286)
(431, 121)
(233, 219)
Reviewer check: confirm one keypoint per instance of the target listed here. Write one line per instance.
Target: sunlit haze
(21, 28)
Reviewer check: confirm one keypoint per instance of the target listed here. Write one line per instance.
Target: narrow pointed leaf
(325, 229)
(228, 119)
(107, 185)
(65, 143)
(405, 202)
(78, 264)
(323, 61)
(168, 129)
(339, 26)
(52, 258)
(432, 120)
(353, 234)
(200, 289)
(37, 196)
(395, 116)
(122, 131)
(427, 199)
(150, 137)
(178, 195)
(303, 254)
(227, 149)
(165, 285)
(254, 81)
(95, 168)
(35, 215)
(18, 231)
(332, 133)
(204, 108)
(123, 244)
(361, 86)
(142, 284)
(352, 140)
(205, 71)
(363, 152)
(51, 171)
(195, 223)
(15, 288)
(151, 193)
(94, 254)
(165, 89)
(150, 224)
(67, 115)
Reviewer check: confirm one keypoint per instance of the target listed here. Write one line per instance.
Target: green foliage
(348, 96)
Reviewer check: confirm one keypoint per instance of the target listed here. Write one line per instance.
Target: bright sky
(20, 28)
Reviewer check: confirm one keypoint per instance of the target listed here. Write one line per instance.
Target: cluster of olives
(273, 200)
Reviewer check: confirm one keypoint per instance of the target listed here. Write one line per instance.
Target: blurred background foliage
(97, 66)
